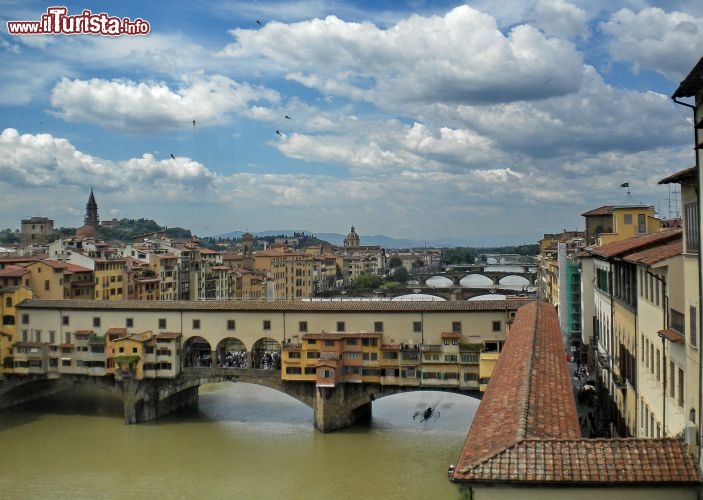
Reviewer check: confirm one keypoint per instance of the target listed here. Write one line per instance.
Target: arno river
(244, 442)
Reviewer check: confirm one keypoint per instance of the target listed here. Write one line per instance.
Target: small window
(231, 324)
(496, 326)
(129, 322)
(267, 324)
(65, 320)
(378, 326)
(134, 350)
(627, 219)
(162, 322)
(303, 326)
(456, 326)
(340, 326)
(196, 324)
(25, 319)
(96, 322)
(417, 326)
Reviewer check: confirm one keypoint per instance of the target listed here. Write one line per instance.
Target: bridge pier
(146, 400)
(341, 406)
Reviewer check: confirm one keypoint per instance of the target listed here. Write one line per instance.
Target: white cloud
(149, 106)
(458, 57)
(652, 39)
(561, 18)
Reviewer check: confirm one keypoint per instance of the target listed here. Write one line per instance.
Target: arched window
(692, 415)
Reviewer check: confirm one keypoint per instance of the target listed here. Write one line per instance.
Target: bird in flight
(194, 123)
(258, 22)
(173, 156)
(287, 117)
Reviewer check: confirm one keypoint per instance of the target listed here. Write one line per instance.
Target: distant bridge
(459, 275)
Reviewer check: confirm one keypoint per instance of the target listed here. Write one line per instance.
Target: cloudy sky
(488, 121)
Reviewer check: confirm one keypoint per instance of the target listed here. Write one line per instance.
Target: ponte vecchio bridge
(336, 356)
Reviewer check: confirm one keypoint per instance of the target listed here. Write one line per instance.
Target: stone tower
(91, 212)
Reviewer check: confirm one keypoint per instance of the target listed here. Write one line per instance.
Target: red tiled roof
(680, 176)
(451, 335)
(167, 335)
(604, 210)
(114, 329)
(656, 254)
(13, 272)
(636, 243)
(83, 333)
(526, 428)
(672, 335)
(601, 461)
(342, 335)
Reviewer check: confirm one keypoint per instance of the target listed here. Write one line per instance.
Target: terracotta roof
(114, 329)
(636, 243)
(342, 335)
(680, 176)
(13, 272)
(604, 210)
(672, 335)
(29, 344)
(602, 461)
(656, 254)
(83, 333)
(506, 413)
(526, 428)
(451, 335)
(278, 306)
(167, 335)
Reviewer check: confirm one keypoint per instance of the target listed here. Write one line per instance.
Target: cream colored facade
(449, 329)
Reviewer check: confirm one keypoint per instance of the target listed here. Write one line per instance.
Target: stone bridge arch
(476, 280)
(196, 352)
(231, 352)
(515, 280)
(266, 354)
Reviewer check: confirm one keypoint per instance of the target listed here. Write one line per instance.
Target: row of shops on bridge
(327, 359)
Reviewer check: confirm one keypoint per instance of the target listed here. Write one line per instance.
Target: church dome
(352, 239)
(86, 231)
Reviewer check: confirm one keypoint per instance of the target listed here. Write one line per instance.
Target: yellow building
(291, 272)
(109, 279)
(616, 222)
(129, 355)
(48, 279)
(10, 296)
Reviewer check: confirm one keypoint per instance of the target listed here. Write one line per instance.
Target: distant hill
(387, 242)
